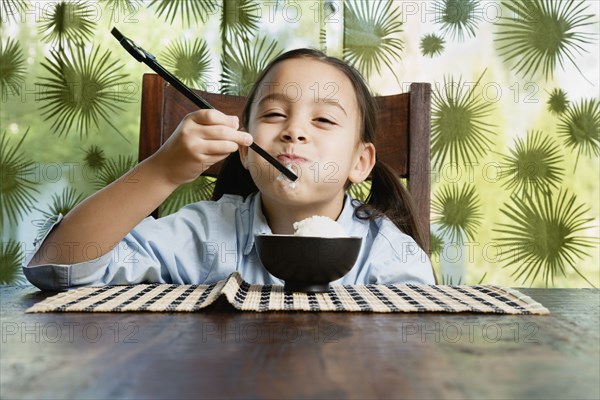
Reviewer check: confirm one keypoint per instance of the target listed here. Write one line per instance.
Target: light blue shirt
(206, 241)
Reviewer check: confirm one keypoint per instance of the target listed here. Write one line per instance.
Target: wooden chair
(402, 139)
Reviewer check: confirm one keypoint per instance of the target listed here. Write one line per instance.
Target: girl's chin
(285, 189)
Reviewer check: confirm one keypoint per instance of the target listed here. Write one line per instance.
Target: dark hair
(387, 197)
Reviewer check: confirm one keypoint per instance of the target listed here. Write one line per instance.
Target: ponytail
(389, 198)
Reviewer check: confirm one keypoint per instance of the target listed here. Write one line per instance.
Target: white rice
(319, 226)
(291, 184)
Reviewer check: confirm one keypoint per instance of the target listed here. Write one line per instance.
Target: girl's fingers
(220, 132)
(214, 117)
(217, 133)
(215, 147)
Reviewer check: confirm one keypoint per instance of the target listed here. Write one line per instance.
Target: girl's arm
(105, 218)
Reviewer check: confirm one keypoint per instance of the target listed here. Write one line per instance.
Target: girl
(313, 113)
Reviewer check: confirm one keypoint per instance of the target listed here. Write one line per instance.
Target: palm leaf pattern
(323, 40)
(580, 126)
(200, 189)
(17, 186)
(458, 17)
(541, 34)
(94, 158)
(360, 191)
(13, 68)
(191, 11)
(457, 212)
(68, 23)
(113, 169)
(459, 131)
(534, 164)
(11, 9)
(436, 245)
(432, 45)
(542, 237)
(558, 102)
(10, 263)
(242, 63)
(60, 205)
(189, 61)
(449, 280)
(370, 30)
(81, 90)
(240, 18)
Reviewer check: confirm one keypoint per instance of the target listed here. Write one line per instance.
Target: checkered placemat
(243, 296)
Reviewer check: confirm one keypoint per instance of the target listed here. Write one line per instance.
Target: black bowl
(306, 263)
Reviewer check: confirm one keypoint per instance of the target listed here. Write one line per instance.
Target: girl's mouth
(290, 184)
(290, 158)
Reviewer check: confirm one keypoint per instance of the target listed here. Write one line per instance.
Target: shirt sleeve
(172, 249)
(397, 258)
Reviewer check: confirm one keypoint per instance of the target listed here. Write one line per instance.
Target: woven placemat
(243, 296)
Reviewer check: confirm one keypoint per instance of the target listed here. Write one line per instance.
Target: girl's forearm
(103, 219)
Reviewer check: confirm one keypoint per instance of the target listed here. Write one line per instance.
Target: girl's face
(306, 115)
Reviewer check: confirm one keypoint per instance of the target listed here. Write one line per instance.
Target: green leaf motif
(534, 164)
(60, 205)
(558, 102)
(13, 68)
(200, 189)
(11, 10)
(458, 17)
(542, 238)
(190, 11)
(580, 127)
(189, 61)
(81, 90)
(114, 169)
(539, 34)
(360, 191)
(17, 188)
(68, 23)
(449, 280)
(94, 158)
(242, 64)
(432, 45)
(323, 40)
(436, 244)
(459, 132)
(10, 263)
(457, 212)
(370, 30)
(240, 18)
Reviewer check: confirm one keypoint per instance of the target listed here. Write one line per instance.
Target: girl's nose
(294, 134)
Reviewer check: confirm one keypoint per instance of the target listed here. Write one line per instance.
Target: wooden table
(223, 353)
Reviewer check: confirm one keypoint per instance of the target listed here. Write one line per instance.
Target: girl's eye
(274, 115)
(325, 121)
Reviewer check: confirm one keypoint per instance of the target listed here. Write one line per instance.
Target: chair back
(402, 138)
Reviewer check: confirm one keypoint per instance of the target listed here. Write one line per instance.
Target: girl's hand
(203, 138)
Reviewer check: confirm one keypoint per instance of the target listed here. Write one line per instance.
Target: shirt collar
(259, 225)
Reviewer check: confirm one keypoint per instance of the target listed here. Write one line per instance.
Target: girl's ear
(363, 164)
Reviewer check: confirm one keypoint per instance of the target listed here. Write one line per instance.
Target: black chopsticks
(143, 56)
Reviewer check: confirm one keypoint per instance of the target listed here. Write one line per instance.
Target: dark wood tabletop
(224, 353)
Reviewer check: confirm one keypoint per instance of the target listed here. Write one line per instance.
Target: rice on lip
(319, 226)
